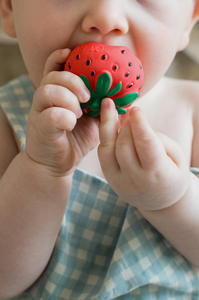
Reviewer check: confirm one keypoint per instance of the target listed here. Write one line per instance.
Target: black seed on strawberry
(88, 62)
(129, 86)
(104, 57)
(69, 66)
(92, 73)
(130, 64)
(138, 77)
(78, 56)
(123, 51)
(115, 67)
(127, 74)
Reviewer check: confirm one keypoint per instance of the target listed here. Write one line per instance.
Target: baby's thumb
(56, 60)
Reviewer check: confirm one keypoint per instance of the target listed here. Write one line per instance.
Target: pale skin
(145, 156)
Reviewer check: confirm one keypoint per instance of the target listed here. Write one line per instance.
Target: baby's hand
(146, 169)
(57, 137)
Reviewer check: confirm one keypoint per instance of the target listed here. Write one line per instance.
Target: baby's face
(151, 29)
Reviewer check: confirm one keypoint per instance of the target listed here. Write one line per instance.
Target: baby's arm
(150, 172)
(35, 187)
(31, 207)
(179, 223)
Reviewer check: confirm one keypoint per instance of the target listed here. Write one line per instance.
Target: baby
(98, 208)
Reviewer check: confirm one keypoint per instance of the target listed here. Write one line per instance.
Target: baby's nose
(105, 16)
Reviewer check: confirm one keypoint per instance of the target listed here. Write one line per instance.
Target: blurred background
(184, 66)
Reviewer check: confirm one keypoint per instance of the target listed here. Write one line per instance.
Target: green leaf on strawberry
(94, 113)
(95, 105)
(102, 91)
(126, 100)
(114, 90)
(121, 111)
(103, 84)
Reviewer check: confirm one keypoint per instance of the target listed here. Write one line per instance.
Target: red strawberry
(107, 71)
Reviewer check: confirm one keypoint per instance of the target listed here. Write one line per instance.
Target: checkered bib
(105, 248)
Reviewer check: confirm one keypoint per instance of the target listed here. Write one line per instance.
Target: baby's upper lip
(99, 42)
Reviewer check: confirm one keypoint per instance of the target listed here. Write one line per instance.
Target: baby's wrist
(191, 191)
(44, 171)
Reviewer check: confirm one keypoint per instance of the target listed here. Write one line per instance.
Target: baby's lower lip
(113, 44)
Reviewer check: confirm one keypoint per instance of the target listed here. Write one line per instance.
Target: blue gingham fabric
(105, 248)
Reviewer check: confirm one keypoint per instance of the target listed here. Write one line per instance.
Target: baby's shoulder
(187, 92)
(186, 99)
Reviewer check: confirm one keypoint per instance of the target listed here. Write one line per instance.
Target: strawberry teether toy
(107, 71)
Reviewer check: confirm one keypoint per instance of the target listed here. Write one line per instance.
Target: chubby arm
(179, 223)
(149, 171)
(35, 187)
(32, 204)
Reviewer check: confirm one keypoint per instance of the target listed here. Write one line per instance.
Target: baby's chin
(35, 77)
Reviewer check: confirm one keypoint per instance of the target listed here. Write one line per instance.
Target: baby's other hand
(146, 169)
(58, 136)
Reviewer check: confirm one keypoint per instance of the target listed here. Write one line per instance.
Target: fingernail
(104, 104)
(134, 109)
(66, 50)
(85, 95)
(80, 113)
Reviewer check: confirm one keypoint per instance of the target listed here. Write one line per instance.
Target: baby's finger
(70, 81)
(108, 131)
(150, 149)
(56, 96)
(125, 149)
(54, 119)
(56, 60)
